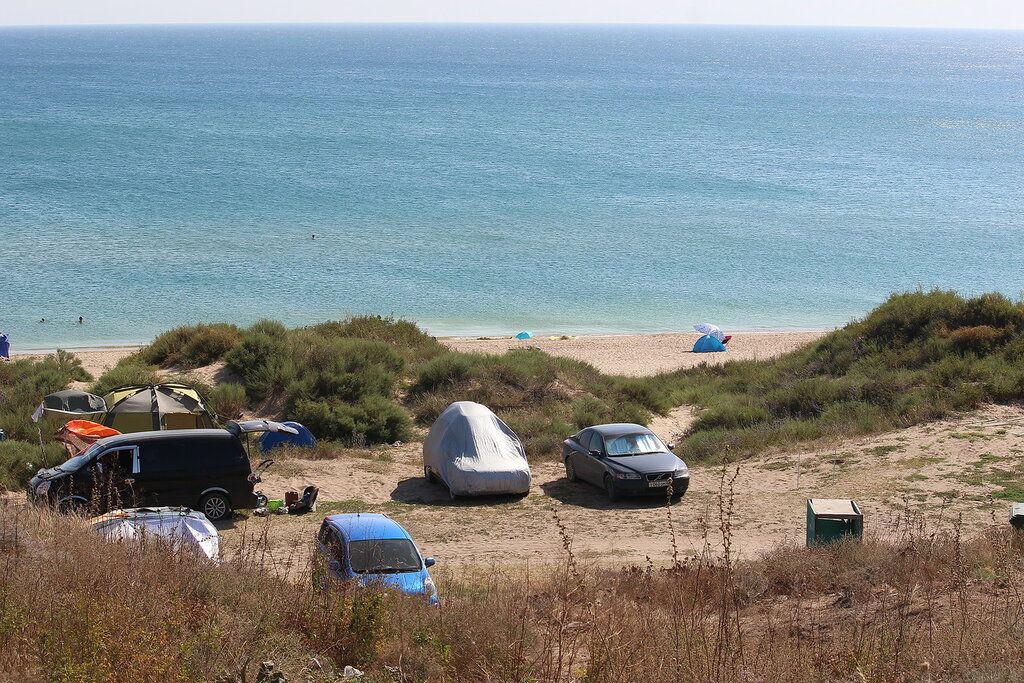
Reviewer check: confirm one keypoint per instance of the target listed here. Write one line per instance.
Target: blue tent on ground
(708, 344)
(271, 440)
(524, 335)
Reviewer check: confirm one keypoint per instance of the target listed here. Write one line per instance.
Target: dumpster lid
(833, 507)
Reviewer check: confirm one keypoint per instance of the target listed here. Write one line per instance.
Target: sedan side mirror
(671, 446)
(429, 562)
(595, 453)
(334, 566)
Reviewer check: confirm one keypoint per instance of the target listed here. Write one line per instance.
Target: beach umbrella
(710, 330)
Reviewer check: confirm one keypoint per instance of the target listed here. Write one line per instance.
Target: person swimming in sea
(81, 320)
(42, 320)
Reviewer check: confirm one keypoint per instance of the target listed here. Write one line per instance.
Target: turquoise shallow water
(487, 179)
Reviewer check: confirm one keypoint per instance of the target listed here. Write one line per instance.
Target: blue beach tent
(270, 440)
(5, 346)
(708, 344)
(524, 335)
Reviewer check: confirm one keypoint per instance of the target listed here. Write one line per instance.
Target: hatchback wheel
(215, 506)
(570, 470)
(609, 487)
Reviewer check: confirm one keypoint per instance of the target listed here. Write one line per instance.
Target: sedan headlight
(628, 475)
(429, 589)
(43, 487)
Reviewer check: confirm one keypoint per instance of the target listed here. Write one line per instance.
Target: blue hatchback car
(374, 549)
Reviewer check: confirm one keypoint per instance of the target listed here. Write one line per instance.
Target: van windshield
(79, 461)
(384, 556)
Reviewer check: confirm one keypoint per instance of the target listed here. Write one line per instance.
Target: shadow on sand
(585, 495)
(419, 491)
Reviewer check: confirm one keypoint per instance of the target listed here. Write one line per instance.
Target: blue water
(488, 179)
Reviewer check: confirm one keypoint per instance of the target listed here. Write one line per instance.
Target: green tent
(152, 407)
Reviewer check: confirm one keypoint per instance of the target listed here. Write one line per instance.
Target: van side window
(219, 452)
(121, 460)
(159, 457)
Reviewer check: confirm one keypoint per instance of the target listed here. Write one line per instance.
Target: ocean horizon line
(370, 23)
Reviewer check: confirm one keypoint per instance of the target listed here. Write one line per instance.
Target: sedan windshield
(634, 444)
(384, 556)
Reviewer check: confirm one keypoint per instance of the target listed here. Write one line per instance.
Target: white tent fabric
(710, 330)
(186, 530)
(475, 453)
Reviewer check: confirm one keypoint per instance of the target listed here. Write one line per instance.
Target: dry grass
(917, 604)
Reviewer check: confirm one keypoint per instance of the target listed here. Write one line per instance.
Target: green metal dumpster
(1017, 515)
(832, 519)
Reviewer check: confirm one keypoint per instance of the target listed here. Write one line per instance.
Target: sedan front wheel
(570, 470)
(609, 488)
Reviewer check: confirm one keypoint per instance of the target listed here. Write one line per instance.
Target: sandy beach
(634, 355)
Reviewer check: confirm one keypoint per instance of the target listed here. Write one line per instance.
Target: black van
(204, 469)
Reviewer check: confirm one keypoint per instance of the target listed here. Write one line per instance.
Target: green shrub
(404, 336)
(192, 346)
(23, 384)
(255, 360)
(226, 400)
(446, 370)
(19, 461)
(129, 370)
(373, 419)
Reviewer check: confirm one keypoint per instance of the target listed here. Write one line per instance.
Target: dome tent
(271, 440)
(146, 407)
(708, 344)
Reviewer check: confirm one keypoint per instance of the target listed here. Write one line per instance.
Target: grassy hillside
(919, 356)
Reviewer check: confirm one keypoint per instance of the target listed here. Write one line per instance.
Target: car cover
(475, 453)
(186, 530)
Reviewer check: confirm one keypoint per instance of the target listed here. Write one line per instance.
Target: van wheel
(73, 506)
(215, 506)
(428, 474)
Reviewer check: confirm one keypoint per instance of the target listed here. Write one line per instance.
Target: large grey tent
(72, 404)
(145, 407)
(474, 453)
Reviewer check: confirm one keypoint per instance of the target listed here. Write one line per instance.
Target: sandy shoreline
(636, 355)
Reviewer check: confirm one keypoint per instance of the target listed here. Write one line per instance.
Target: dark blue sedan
(624, 459)
(373, 549)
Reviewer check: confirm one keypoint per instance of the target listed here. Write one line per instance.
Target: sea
(488, 179)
